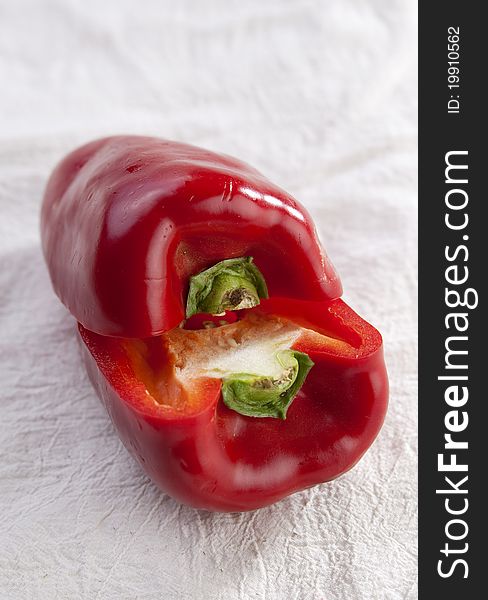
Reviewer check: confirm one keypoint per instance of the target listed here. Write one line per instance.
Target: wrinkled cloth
(321, 97)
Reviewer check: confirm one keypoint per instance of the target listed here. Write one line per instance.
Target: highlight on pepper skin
(211, 322)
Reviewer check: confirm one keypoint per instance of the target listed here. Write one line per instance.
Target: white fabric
(321, 97)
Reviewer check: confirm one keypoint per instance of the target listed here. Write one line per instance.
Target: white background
(321, 97)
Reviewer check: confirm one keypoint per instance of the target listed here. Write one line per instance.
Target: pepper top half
(127, 220)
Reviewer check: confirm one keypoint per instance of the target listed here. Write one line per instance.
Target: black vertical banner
(453, 259)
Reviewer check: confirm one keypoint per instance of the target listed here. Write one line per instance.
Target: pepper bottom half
(211, 457)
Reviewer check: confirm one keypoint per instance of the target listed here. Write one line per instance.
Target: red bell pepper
(233, 380)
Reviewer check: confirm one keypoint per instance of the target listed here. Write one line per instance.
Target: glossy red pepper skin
(126, 220)
(220, 460)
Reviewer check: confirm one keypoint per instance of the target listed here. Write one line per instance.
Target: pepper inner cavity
(250, 346)
(260, 373)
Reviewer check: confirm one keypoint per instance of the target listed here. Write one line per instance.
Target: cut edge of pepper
(130, 364)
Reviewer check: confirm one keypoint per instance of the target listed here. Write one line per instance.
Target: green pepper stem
(258, 396)
(231, 284)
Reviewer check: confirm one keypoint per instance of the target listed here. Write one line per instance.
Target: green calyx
(231, 284)
(258, 396)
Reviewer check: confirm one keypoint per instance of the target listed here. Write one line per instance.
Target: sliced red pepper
(238, 376)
